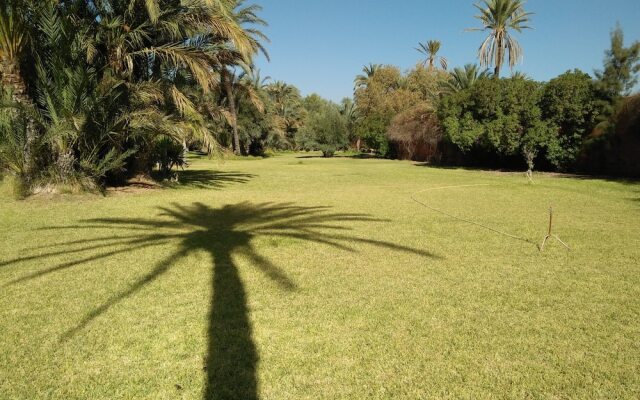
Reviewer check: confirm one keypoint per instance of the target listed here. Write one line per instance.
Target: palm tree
(106, 77)
(464, 78)
(430, 50)
(288, 113)
(349, 110)
(362, 81)
(500, 17)
(247, 18)
(14, 36)
(250, 88)
(520, 75)
(282, 94)
(255, 79)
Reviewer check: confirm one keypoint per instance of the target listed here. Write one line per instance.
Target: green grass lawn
(308, 278)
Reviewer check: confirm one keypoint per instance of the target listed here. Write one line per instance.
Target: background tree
(416, 132)
(378, 102)
(621, 67)
(570, 102)
(499, 120)
(499, 18)
(369, 71)
(430, 50)
(464, 78)
(349, 111)
(244, 16)
(614, 145)
(287, 113)
(325, 128)
(388, 93)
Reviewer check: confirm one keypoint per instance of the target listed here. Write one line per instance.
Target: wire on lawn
(509, 235)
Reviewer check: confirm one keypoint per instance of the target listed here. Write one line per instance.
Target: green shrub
(570, 102)
(167, 155)
(500, 118)
(325, 129)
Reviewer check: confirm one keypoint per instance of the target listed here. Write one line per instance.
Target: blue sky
(321, 45)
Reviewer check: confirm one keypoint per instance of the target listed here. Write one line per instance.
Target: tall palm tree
(247, 18)
(362, 81)
(499, 18)
(288, 113)
(430, 50)
(464, 78)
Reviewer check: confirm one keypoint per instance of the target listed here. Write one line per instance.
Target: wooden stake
(551, 235)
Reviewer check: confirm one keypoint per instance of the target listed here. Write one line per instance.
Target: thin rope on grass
(468, 221)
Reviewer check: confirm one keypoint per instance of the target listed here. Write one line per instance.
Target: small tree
(325, 129)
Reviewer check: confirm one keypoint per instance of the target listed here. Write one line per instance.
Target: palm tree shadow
(232, 359)
(207, 179)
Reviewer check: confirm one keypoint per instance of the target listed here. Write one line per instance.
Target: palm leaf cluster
(430, 50)
(91, 88)
(464, 78)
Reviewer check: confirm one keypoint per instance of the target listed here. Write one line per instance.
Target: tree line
(95, 92)
(472, 116)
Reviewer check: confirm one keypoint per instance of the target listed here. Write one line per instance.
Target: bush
(499, 118)
(167, 155)
(325, 129)
(416, 132)
(570, 102)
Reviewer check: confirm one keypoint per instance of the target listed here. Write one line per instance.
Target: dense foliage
(570, 102)
(325, 128)
(469, 116)
(498, 117)
(386, 93)
(94, 89)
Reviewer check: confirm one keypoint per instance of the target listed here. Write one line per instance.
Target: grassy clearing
(307, 278)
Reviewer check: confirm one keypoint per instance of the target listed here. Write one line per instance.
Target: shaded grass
(322, 279)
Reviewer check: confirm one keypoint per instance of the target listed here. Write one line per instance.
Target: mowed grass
(311, 278)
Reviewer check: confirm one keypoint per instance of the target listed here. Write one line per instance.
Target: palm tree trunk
(65, 164)
(10, 77)
(226, 82)
(499, 59)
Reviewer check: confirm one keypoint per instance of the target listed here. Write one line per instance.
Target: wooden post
(551, 235)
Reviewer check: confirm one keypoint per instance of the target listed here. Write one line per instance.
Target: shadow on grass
(223, 233)
(360, 156)
(207, 179)
(468, 168)
(563, 175)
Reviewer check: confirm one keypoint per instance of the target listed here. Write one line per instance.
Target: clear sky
(321, 45)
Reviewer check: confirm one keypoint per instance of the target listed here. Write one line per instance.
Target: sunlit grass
(308, 278)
